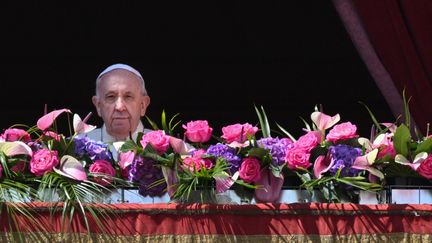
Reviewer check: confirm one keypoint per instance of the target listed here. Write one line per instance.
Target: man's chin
(120, 128)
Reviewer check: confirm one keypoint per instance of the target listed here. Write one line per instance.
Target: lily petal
(47, 120)
(365, 143)
(15, 148)
(391, 126)
(72, 168)
(417, 160)
(224, 181)
(323, 121)
(236, 144)
(80, 126)
(179, 146)
(321, 165)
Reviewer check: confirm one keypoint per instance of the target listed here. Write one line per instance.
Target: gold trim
(67, 237)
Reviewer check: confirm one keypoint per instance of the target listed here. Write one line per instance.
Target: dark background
(203, 59)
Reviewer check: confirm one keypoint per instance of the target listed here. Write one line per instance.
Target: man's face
(121, 103)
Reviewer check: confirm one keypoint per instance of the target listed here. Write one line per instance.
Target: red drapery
(400, 34)
(250, 223)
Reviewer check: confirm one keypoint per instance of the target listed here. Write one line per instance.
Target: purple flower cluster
(144, 172)
(343, 157)
(277, 147)
(96, 150)
(228, 153)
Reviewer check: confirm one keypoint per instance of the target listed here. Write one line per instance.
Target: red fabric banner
(283, 220)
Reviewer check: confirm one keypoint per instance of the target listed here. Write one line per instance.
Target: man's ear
(95, 101)
(144, 104)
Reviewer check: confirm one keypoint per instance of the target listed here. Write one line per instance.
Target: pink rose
(425, 168)
(43, 160)
(198, 131)
(250, 170)
(196, 162)
(238, 132)
(296, 157)
(16, 134)
(1, 171)
(342, 131)
(102, 167)
(158, 140)
(308, 141)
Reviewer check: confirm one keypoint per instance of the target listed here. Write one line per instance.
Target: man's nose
(119, 104)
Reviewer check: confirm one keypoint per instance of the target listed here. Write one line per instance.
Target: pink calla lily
(415, 164)
(179, 146)
(80, 126)
(323, 121)
(47, 120)
(321, 165)
(364, 163)
(15, 148)
(391, 126)
(272, 186)
(224, 181)
(72, 168)
(236, 144)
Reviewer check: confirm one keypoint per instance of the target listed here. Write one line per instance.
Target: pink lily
(47, 120)
(364, 163)
(179, 146)
(225, 181)
(80, 126)
(72, 168)
(321, 165)
(15, 148)
(415, 164)
(323, 121)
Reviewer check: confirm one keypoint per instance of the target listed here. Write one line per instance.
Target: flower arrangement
(407, 152)
(39, 164)
(336, 162)
(193, 163)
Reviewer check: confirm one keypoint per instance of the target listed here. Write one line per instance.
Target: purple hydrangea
(96, 150)
(228, 153)
(344, 156)
(277, 147)
(144, 172)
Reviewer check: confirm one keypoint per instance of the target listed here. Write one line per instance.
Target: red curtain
(400, 34)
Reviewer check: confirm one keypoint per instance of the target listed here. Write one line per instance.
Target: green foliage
(264, 124)
(401, 140)
(169, 127)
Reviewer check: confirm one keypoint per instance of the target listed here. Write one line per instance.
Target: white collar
(105, 137)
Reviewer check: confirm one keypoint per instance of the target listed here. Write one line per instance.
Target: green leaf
(164, 123)
(259, 153)
(128, 146)
(265, 127)
(375, 121)
(425, 146)
(152, 123)
(401, 140)
(286, 132)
